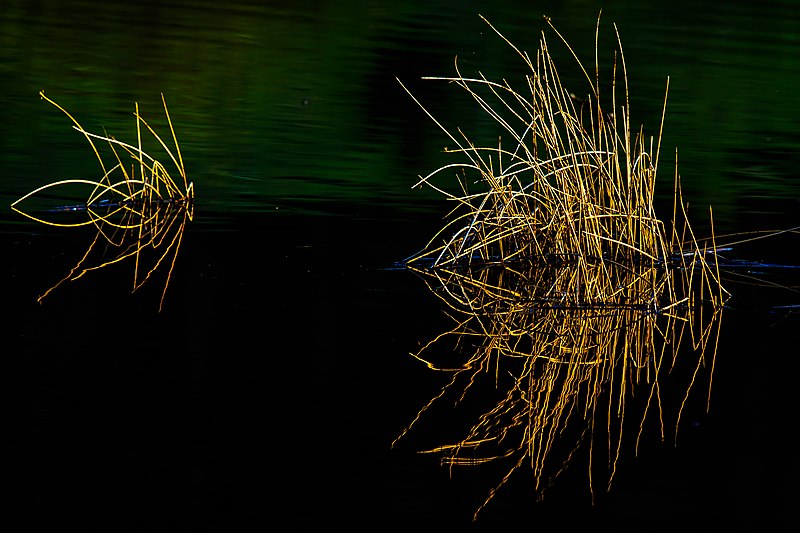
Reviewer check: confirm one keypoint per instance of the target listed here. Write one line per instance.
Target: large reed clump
(138, 209)
(568, 292)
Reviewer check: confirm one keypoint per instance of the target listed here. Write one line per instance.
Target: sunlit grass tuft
(137, 207)
(569, 295)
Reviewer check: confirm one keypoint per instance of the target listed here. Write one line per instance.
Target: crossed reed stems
(138, 209)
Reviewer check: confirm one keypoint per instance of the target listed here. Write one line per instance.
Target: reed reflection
(139, 211)
(569, 295)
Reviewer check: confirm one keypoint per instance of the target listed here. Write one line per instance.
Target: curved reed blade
(138, 216)
(569, 295)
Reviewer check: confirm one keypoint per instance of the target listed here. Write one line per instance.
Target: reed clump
(568, 293)
(138, 209)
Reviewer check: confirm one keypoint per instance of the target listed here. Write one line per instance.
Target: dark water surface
(273, 382)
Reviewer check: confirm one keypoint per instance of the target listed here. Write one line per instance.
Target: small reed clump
(139, 215)
(567, 292)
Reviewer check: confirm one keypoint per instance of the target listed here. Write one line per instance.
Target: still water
(275, 378)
